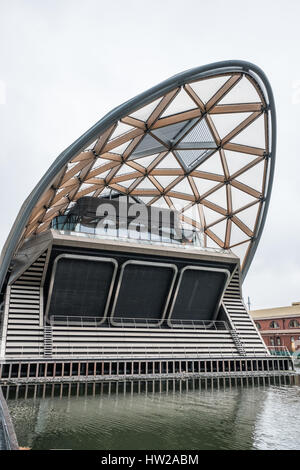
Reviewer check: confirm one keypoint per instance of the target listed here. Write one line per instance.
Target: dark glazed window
(143, 293)
(198, 295)
(80, 287)
(274, 324)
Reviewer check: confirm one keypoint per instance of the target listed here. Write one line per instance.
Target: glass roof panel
(254, 176)
(212, 165)
(161, 202)
(193, 213)
(200, 135)
(225, 123)
(165, 180)
(147, 146)
(236, 160)
(253, 135)
(191, 158)
(125, 169)
(241, 250)
(211, 244)
(210, 215)
(218, 197)
(237, 235)
(121, 129)
(183, 187)
(146, 161)
(206, 88)
(179, 203)
(181, 102)
(243, 92)
(220, 229)
(168, 134)
(169, 161)
(240, 198)
(146, 184)
(248, 216)
(204, 185)
(144, 113)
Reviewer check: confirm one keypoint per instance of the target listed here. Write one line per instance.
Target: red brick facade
(280, 331)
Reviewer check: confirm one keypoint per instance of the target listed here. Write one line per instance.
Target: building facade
(279, 326)
(129, 255)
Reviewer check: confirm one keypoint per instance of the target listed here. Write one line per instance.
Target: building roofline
(124, 109)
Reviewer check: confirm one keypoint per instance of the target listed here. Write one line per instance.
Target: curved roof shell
(202, 142)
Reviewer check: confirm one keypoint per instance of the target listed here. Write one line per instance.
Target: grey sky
(65, 63)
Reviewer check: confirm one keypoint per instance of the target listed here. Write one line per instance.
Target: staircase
(48, 341)
(238, 343)
(244, 332)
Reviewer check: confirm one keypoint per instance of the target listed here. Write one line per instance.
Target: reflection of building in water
(128, 256)
(157, 414)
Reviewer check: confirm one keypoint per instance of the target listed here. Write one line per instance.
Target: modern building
(279, 326)
(129, 254)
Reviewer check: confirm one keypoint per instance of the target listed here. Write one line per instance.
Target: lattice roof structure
(202, 142)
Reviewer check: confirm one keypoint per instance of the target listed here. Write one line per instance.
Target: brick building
(279, 326)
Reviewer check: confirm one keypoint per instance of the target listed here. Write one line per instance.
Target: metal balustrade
(86, 321)
(279, 351)
(76, 224)
(185, 238)
(146, 352)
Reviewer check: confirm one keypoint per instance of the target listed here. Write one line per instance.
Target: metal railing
(178, 236)
(123, 322)
(183, 238)
(279, 351)
(121, 352)
(154, 352)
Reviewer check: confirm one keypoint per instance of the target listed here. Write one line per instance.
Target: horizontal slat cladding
(141, 352)
(21, 317)
(141, 341)
(17, 298)
(28, 283)
(24, 334)
(232, 300)
(22, 289)
(13, 337)
(139, 345)
(24, 309)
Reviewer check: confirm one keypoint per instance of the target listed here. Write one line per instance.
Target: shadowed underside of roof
(202, 146)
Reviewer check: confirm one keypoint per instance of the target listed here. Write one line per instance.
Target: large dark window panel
(198, 295)
(144, 293)
(80, 287)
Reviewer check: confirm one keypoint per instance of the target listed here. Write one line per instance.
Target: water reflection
(190, 414)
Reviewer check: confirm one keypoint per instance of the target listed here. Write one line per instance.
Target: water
(2, 439)
(174, 415)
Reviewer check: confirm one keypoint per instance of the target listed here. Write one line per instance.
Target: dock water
(8, 438)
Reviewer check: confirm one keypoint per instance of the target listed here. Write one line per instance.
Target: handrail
(124, 322)
(76, 223)
(279, 350)
(100, 352)
(188, 238)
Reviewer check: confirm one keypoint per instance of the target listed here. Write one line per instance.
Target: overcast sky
(65, 63)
